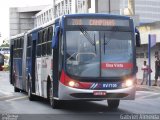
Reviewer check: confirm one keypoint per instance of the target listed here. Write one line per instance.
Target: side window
(38, 46)
(43, 36)
(29, 40)
(14, 48)
(44, 47)
(49, 42)
(21, 47)
(44, 42)
(46, 35)
(50, 31)
(49, 48)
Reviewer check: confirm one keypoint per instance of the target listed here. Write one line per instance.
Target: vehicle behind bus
(77, 57)
(1, 61)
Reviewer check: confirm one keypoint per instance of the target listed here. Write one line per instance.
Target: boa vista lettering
(117, 65)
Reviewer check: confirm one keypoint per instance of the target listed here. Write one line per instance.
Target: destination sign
(97, 22)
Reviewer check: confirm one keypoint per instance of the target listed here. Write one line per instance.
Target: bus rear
(96, 58)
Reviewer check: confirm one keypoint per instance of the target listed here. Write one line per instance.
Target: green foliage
(5, 45)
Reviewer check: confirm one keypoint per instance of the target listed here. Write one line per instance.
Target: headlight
(127, 83)
(71, 83)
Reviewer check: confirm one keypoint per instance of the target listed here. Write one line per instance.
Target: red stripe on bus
(65, 79)
(116, 65)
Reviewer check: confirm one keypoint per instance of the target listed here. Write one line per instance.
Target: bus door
(11, 62)
(55, 46)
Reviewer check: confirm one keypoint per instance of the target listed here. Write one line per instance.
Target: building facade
(148, 10)
(22, 18)
(62, 7)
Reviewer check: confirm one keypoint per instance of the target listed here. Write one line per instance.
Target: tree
(5, 45)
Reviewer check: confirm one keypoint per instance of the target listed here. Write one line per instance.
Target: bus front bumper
(68, 93)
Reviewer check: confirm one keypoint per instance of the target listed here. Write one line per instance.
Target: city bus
(77, 57)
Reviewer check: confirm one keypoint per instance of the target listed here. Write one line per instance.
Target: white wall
(144, 49)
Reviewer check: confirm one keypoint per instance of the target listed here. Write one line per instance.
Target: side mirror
(55, 37)
(138, 39)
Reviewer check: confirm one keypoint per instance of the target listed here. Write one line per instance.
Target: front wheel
(113, 104)
(54, 103)
(16, 89)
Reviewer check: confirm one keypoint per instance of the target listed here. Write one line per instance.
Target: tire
(54, 103)
(14, 83)
(30, 95)
(113, 104)
(16, 89)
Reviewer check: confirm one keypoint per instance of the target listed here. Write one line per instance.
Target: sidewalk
(145, 87)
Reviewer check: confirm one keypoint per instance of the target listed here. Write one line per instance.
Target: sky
(4, 12)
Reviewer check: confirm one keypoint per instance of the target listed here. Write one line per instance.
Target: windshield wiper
(114, 29)
(86, 34)
(95, 43)
(105, 42)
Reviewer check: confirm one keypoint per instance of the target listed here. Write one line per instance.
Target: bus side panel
(24, 75)
(38, 77)
(43, 70)
(28, 67)
(17, 63)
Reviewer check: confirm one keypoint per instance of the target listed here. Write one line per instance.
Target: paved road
(147, 101)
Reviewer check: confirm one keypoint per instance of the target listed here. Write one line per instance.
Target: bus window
(43, 49)
(46, 35)
(43, 36)
(49, 48)
(50, 33)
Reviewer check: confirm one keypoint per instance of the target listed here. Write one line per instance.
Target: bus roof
(17, 36)
(79, 15)
(97, 15)
(71, 15)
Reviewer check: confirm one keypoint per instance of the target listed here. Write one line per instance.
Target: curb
(147, 88)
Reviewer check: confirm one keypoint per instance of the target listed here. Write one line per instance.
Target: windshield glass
(98, 53)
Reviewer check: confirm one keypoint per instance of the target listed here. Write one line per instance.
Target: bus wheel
(15, 88)
(113, 104)
(30, 95)
(54, 103)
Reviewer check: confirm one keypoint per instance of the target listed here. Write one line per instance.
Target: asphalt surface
(17, 106)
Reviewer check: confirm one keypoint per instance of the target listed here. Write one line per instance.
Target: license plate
(99, 93)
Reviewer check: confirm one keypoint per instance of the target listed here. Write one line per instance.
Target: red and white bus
(77, 57)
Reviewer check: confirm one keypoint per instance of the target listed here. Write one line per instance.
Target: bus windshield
(99, 53)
